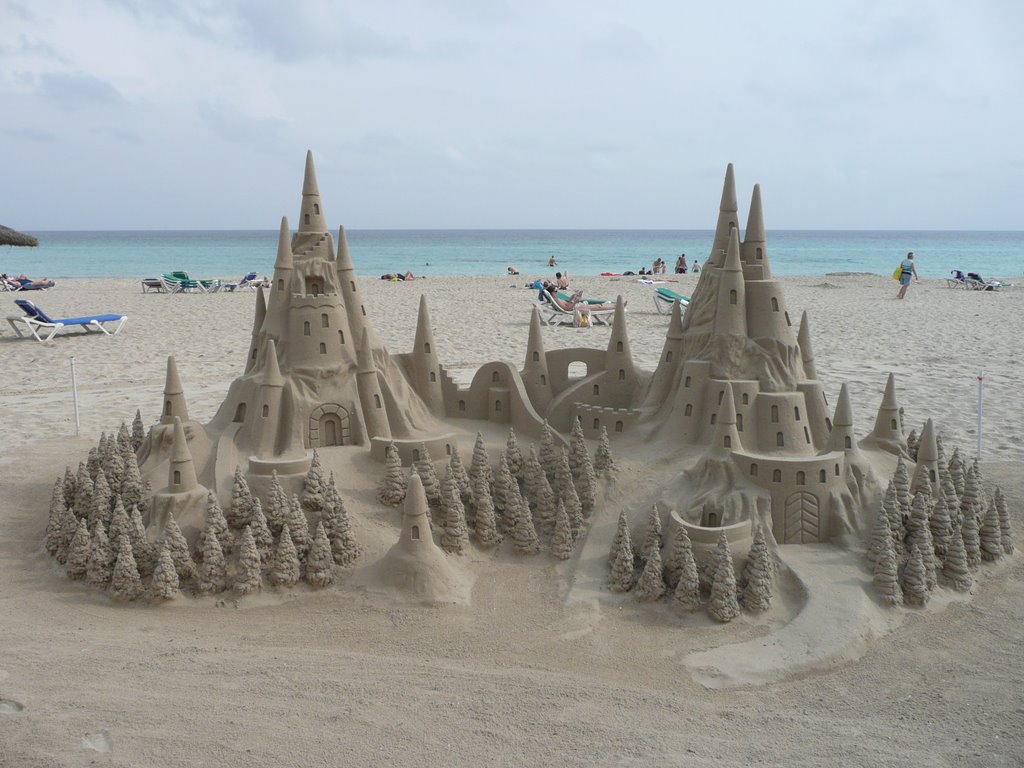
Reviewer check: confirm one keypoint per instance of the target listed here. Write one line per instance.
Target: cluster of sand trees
(542, 499)
(937, 535)
(95, 531)
(649, 576)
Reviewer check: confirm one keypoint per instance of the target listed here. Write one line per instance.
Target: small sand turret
(726, 438)
(181, 475)
(755, 246)
(425, 363)
(183, 498)
(842, 437)
(927, 462)
(888, 432)
(175, 406)
(371, 397)
(268, 413)
(731, 314)
(806, 351)
(535, 368)
(620, 373)
(276, 318)
(257, 323)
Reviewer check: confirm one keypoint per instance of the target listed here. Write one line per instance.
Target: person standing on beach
(908, 270)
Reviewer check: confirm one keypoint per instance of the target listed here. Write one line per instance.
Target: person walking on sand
(907, 270)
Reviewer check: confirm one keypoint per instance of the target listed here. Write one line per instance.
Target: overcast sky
(179, 114)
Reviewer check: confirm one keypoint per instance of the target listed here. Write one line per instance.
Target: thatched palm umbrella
(9, 236)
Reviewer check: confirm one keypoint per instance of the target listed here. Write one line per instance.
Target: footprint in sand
(10, 707)
(99, 742)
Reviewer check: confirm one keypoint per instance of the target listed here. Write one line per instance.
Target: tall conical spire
(415, 519)
(181, 475)
(271, 373)
(619, 352)
(731, 311)
(535, 368)
(284, 259)
(806, 351)
(727, 437)
(426, 365)
(888, 431)
(842, 436)
(927, 460)
(174, 395)
(675, 322)
(728, 218)
(257, 325)
(358, 321)
(371, 397)
(311, 218)
(755, 245)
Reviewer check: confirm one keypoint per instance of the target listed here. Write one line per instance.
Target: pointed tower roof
(755, 218)
(535, 344)
(727, 437)
(271, 370)
(928, 449)
(927, 461)
(344, 257)
(806, 351)
(364, 355)
(284, 247)
(732, 253)
(261, 309)
(175, 405)
(312, 216)
(675, 322)
(888, 431)
(181, 475)
(844, 412)
(728, 217)
(618, 342)
(755, 245)
(842, 437)
(424, 328)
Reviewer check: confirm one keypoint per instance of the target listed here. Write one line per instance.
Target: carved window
(325, 321)
(686, 382)
(536, 357)
(462, 405)
(746, 398)
(543, 379)
(847, 442)
(622, 374)
(807, 436)
(775, 304)
(597, 423)
(821, 476)
(316, 209)
(753, 470)
(597, 389)
(618, 346)
(796, 412)
(688, 410)
(668, 356)
(732, 296)
(426, 347)
(177, 477)
(618, 426)
(777, 476)
(414, 533)
(721, 394)
(305, 328)
(727, 441)
(376, 400)
(739, 422)
(266, 411)
(497, 406)
(780, 441)
(306, 218)
(495, 377)
(323, 348)
(801, 478)
(341, 336)
(433, 376)
(714, 417)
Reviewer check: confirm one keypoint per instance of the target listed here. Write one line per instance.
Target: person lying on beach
(396, 277)
(513, 271)
(24, 281)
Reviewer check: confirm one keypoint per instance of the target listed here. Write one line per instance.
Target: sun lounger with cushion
(38, 322)
(664, 298)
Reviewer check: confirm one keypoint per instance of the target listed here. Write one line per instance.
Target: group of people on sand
(397, 277)
(682, 267)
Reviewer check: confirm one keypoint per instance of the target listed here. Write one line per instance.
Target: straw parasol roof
(9, 236)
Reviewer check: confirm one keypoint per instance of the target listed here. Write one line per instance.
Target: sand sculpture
(759, 457)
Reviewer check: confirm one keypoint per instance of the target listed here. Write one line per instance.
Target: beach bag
(581, 319)
(898, 273)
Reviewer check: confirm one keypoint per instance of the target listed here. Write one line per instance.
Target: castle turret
(257, 325)
(755, 244)
(888, 432)
(275, 323)
(731, 311)
(354, 308)
(371, 397)
(535, 368)
(842, 437)
(415, 518)
(268, 416)
(728, 219)
(806, 351)
(311, 216)
(927, 461)
(425, 363)
(181, 474)
(175, 406)
(669, 362)
(726, 438)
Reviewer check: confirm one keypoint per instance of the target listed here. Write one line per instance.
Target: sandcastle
(759, 457)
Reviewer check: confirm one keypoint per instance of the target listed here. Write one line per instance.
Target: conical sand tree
(124, 439)
(562, 543)
(68, 529)
(78, 553)
(68, 486)
(165, 584)
(970, 499)
(757, 575)
(213, 572)
(284, 567)
(565, 491)
(1005, 532)
(454, 535)
(901, 482)
(178, 548)
(513, 455)
(954, 566)
(93, 462)
(652, 536)
(957, 471)
(100, 499)
(540, 494)
(83, 506)
(138, 432)
(101, 559)
(485, 530)
(948, 493)
(892, 511)
(131, 484)
(523, 533)
(879, 533)
(622, 576)
(940, 524)
(277, 507)
(919, 532)
(125, 582)
(549, 456)
(249, 575)
(53, 523)
(314, 485)
(913, 444)
(215, 525)
(239, 514)
(338, 526)
(425, 469)
(723, 604)
(298, 527)
(915, 584)
(651, 585)
(623, 525)
(578, 453)
(261, 531)
(674, 562)
(113, 471)
(503, 495)
(586, 487)
(461, 477)
(392, 488)
(686, 596)
(976, 466)
(604, 463)
(320, 562)
(972, 539)
(531, 478)
(991, 546)
(480, 467)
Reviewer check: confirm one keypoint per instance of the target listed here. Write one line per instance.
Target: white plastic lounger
(44, 328)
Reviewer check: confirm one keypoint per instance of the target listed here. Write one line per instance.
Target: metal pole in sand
(981, 406)
(74, 394)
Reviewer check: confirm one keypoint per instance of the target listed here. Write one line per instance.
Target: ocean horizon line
(526, 229)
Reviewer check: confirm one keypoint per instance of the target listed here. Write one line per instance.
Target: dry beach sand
(532, 671)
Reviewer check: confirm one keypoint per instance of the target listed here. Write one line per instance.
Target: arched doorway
(802, 520)
(330, 424)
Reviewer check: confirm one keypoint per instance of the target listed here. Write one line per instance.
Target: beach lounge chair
(552, 314)
(977, 283)
(153, 284)
(958, 279)
(15, 284)
(664, 298)
(44, 328)
(248, 281)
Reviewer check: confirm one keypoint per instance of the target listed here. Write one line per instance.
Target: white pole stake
(74, 394)
(981, 406)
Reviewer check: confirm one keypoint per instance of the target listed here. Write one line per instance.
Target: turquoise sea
(225, 253)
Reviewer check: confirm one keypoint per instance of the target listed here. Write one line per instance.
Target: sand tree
(531, 477)
(215, 525)
(901, 482)
(68, 485)
(539, 494)
(565, 491)
(913, 444)
(125, 582)
(314, 485)
(604, 463)
(454, 535)
(940, 524)
(480, 466)
(78, 553)
(261, 531)
(513, 455)
(101, 503)
(249, 573)
(239, 514)
(165, 584)
(991, 545)
(101, 559)
(131, 484)
(915, 582)
(652, 536)
(485, 529)
(68, 529)
(138, 432)
(1005, 532)
(970, 499)
(320, 562)
(562, 543)
(674, 561)
(124, 439)
(976, 466)
(298, 527)
(892, 511)
(178, 548)
(686, 596)
(213, 571)
(723, 605)
(757, 575)
(113, 470)
(972, 539)
(954, 566)
(578, 453)
(586, 487)
(277, 505)
(651, 585)
(284, 566)
(523, 533)
(431, 486)
(461, 476)
(503, 494)
(338, 526)
(948, 493)
(621, 577)
(93, 461)
(957, 471)
(623, 524)
(919, 532)
(83, 494)
(549, 455)
(53, 522)
(879, 533)
(391, 491)
(144, 551)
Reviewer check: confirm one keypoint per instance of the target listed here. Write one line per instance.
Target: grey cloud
(35, 135)
(77, 91)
